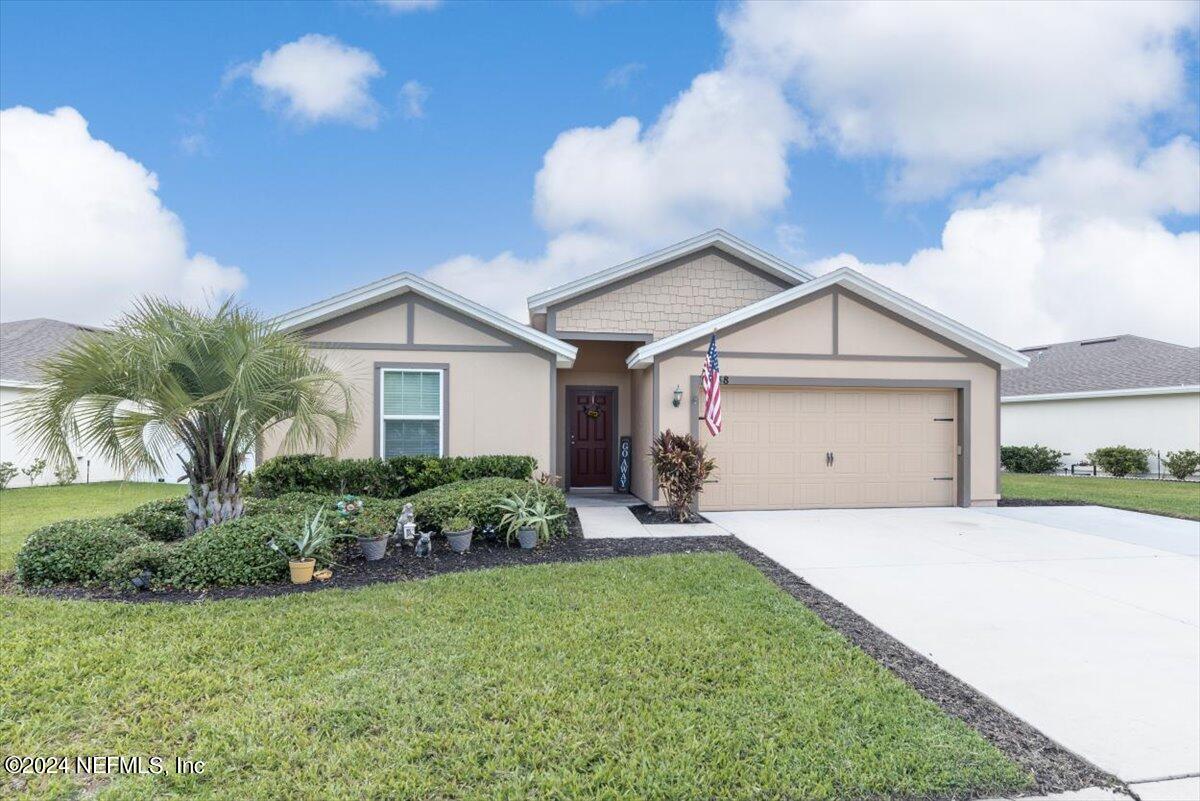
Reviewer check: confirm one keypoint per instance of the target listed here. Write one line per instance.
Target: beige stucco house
(838, 392)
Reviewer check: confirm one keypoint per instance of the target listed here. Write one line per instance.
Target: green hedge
(1030, 458)
(380, 478)
(231, 554)
(377, 517)
(120, 571)
(73, 551)
(163, 520)
(1120, 460)
(477, 500)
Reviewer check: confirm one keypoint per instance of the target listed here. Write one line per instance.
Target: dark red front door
(589, 436)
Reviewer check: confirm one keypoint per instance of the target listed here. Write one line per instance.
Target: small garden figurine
(424, 546)
(405, 525)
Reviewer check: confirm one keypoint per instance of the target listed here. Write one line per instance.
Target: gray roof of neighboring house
(25, 343)
(1118, 362)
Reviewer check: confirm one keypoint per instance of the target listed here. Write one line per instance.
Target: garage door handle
(829, 458)
(943, 478)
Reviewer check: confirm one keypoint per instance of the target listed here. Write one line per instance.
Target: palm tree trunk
(210, 505)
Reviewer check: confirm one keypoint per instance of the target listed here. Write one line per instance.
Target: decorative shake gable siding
(672, 298)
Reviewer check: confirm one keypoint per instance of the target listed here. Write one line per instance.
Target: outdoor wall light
(677, 396)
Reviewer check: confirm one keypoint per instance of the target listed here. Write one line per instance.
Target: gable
(867, 331)
(669, 298)
(405, 319)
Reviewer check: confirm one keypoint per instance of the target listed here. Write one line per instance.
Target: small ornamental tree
(8, 471)
(33, 471)
(210, 381)
(681, 465)
(1119, 461)
(1182, 464)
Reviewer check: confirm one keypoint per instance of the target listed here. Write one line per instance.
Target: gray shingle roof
(1119, 362)
(25, 343)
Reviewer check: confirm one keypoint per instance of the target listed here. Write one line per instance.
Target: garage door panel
(887, 447)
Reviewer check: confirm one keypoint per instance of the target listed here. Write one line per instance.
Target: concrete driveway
(1093, 639)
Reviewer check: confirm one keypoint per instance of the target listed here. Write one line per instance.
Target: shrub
(34, 470)
(234, 553)
(378, 515)
(477, 500)
(8, 471)
(1182, 464)
(163, 520)
(149, 557)
(73, 550)
(681, 465)
(380, 478)
(1119, 461)
(1030, 458)
(66, 474)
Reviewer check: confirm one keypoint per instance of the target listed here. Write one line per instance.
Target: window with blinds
(411, 408)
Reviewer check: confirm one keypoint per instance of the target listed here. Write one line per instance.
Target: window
(411, 410)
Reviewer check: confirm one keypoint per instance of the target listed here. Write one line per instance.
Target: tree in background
(164, 375)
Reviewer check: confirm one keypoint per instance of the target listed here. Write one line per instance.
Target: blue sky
(305, 208)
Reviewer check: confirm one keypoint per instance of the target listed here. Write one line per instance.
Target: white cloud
(1026, 278)
(949, 88)
(317, 78)
(717, 154)
(620, 77)
(412, 99)
(1165, 180)
(505, 281)
(407, 6)
(84, 229)
(193, 144)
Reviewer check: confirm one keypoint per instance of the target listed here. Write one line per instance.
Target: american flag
(710, 379)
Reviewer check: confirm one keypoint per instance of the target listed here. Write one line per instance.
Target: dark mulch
(649, 515)
(1054, 768)
(1036, 502)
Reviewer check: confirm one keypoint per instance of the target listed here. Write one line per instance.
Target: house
(23, 345)
(837, 391)
(1119, 390)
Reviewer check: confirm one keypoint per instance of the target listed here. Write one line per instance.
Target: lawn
(1175, 498)
(669, 677)
(26, 508)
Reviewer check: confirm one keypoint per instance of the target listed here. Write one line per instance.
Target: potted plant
(528, 519)
(302, 549)
(458, 530)
(373, 544)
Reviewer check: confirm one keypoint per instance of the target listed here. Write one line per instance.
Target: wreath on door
(592, 410)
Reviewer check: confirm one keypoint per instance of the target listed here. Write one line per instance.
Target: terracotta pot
(302, 570)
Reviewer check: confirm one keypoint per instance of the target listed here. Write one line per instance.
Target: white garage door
(796, 448)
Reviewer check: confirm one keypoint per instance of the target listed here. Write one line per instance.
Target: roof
(26, 343)
(859, 284)
(1110, 364)
(408, 282)
(716, 238)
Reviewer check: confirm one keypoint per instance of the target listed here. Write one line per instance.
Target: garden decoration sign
(624, 455)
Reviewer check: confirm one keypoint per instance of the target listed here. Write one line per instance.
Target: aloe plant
(314, 535)
(521, 512)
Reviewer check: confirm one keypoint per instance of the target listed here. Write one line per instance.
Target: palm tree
(167, 374)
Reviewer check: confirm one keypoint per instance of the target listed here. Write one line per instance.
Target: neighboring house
(23, 345)
(837, 390)
(1121, 390)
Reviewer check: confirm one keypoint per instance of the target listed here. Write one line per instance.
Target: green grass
(671, 677)
(1175, 498)
(27, 508)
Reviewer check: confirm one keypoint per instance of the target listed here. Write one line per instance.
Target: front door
(589, 436)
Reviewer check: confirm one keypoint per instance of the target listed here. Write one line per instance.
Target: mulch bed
(648, 515)
(1054, 768)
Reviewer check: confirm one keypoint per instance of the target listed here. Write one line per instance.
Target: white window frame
(440, 416)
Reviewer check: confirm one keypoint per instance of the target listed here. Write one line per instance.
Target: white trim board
(859, 284)
(409, 282)
(1183, 389)
(722, 240)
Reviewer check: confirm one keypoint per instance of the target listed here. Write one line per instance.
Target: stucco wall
(499, 390)
(642, 478)
(1159, 422)
(668, 299)
(869, 333)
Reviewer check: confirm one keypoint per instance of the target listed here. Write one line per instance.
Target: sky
(1030, 169)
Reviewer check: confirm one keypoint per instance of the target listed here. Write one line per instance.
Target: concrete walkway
(1094, 640)
(600, 522)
